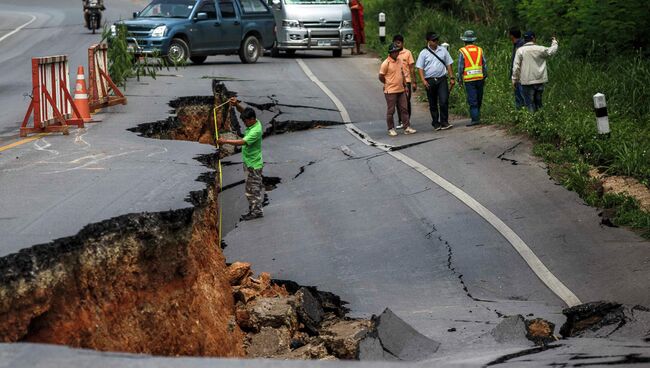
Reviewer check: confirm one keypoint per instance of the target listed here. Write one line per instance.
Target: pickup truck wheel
(250, 50)
(337, 53)
(178, 52)
(198, 59)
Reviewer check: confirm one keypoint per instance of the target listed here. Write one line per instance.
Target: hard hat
(468, 36)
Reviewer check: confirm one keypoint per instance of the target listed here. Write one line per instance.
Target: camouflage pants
(254, 190)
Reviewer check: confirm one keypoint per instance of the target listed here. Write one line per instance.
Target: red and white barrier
(52, 106)
(102, 91)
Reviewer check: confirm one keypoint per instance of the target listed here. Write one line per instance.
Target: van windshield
(168, 9)
(315, 2)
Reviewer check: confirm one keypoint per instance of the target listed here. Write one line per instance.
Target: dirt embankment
(147, 283)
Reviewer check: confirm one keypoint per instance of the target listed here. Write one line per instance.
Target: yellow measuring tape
(216, 133)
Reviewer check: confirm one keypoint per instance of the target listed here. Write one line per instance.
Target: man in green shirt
(252, 157)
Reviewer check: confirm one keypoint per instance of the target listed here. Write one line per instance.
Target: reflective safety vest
(473, 58)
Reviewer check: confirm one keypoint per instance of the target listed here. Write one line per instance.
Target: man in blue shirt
(517, 42)
(434, 67)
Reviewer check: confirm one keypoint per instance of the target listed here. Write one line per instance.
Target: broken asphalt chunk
(401, 340)
(606, 319)
(511, 330)
(309, 310)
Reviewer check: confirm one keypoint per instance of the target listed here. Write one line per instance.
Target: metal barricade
(52, 106)
(102, 91)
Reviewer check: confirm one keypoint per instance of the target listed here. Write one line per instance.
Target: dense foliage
(565, 130)
(600, 27)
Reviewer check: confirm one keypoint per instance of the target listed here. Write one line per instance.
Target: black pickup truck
(194, 29)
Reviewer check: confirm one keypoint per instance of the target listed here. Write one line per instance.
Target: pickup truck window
(168, 9)
(253, 6)
(209, 8)
(227, 9)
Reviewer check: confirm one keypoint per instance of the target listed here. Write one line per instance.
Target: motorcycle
(94, 15)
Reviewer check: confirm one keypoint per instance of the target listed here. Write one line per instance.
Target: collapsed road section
(158, 283)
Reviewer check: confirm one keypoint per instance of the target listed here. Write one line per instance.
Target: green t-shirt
(252, 151)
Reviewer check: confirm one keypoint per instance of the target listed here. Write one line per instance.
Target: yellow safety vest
(473, 58)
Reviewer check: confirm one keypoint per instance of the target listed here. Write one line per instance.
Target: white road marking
(45, 146)
(535, 264)
(18, 29)
(158, 153)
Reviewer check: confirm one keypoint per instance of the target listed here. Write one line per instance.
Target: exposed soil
(146, 283)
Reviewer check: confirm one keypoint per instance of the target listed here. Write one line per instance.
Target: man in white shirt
(529, 69)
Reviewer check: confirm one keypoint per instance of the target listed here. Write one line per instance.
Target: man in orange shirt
(409, 63)
(391, 74)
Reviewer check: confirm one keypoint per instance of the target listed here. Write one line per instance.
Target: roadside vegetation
(122, 64)
(602, 49)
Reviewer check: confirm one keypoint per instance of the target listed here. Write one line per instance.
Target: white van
(312, 25)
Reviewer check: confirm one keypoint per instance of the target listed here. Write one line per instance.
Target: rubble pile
(283, 320)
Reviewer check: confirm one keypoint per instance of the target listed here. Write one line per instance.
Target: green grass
(565, 130)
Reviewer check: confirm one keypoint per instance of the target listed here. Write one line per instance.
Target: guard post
(602, 118)
(382, 27)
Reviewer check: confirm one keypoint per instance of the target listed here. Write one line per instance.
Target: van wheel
(178, 52)
(250, 50)
(198, 59)
(337, 53)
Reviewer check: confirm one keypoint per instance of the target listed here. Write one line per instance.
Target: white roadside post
(382, 27)
(446, 46)
(602, 119)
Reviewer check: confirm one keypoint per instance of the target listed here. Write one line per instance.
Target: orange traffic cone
(81, 96)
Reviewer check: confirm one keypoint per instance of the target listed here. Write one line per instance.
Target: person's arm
(516, 68)
(252, 135)
(550, 51)
(383, 69)
(234, 142)
(485, 67)
(450, 70)
(419, 65)
(234, 102)
(414, 77)
(422, 78)
(461, 67)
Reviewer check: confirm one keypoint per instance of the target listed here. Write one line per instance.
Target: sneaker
(445, 126)
(410, 130)
(473, 123)
(436, 127)
(399, 126)
(250, 216)
(392, 132)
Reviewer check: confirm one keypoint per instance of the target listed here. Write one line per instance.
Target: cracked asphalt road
(347, 217)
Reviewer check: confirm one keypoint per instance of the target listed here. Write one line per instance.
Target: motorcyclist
(87, 7)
